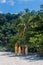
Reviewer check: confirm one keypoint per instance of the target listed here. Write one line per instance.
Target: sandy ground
(8, 58)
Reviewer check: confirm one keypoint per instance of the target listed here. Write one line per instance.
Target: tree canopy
(24, 28)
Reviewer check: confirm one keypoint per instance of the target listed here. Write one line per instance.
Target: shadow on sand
(31, 57)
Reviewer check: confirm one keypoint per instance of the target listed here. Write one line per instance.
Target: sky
(15, 6)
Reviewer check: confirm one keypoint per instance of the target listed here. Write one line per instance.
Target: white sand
(6, 58)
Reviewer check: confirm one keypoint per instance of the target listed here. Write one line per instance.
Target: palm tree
(23, 26)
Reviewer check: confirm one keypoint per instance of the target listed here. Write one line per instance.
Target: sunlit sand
(8, 58)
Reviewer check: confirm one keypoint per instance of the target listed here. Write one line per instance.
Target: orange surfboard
(16, 48)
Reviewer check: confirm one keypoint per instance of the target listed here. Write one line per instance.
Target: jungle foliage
(25, 28)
